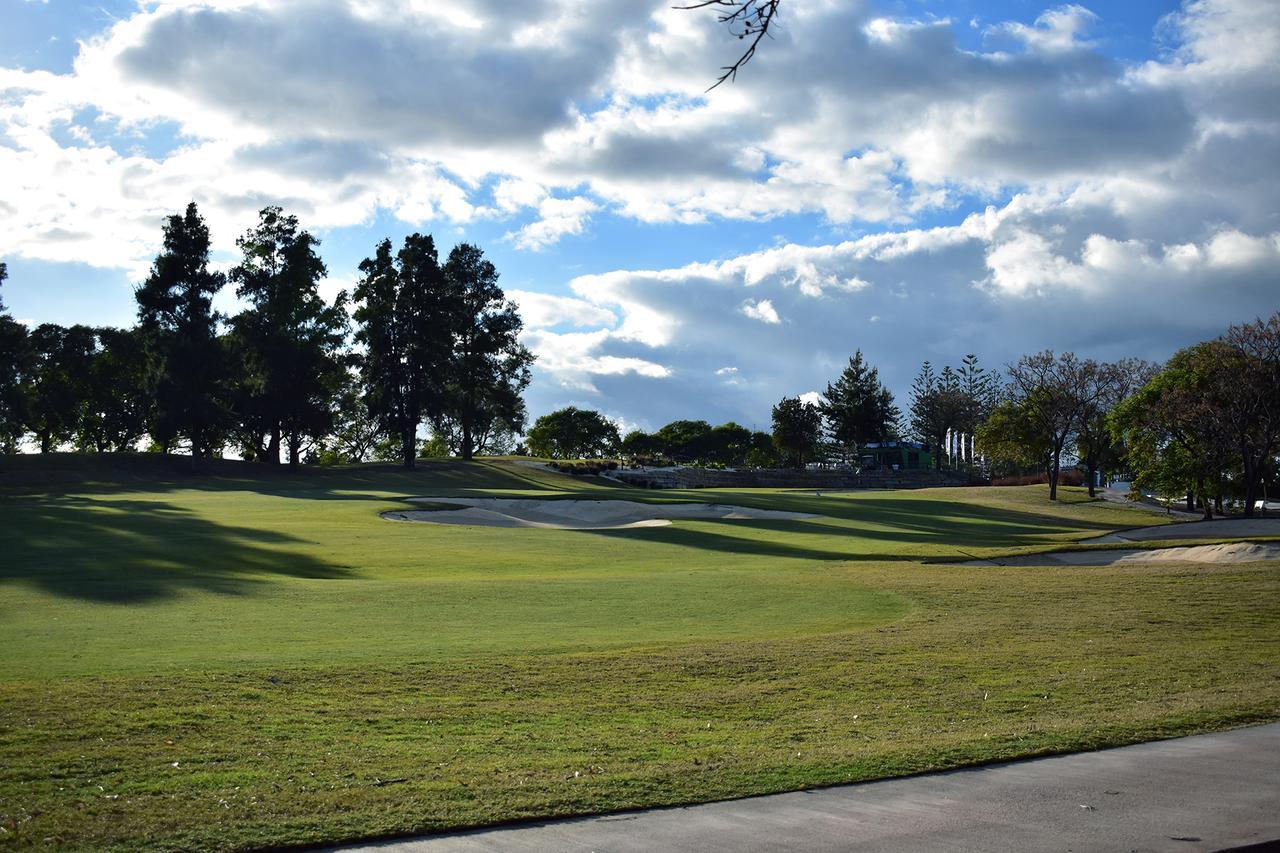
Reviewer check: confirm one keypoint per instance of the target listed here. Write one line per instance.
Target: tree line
(1206, 424)
(436, 344)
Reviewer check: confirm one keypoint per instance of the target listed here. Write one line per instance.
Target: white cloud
(1131, 207)
(762, 311)
(812, 398)
(564, 114)
(557, 217)
(543, 310)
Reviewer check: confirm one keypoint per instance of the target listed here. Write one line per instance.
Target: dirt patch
(575, 514)
(1235, 552)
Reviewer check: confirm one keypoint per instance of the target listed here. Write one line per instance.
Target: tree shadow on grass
(131, 551)
(123, 473)
(705, 540)
(945, 524)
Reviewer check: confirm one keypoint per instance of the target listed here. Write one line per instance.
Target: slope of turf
(246, 657)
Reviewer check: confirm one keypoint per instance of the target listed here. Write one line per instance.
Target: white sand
(1222, 528)
(1235, 552)
(576, 514)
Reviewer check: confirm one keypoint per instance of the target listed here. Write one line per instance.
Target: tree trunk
(44, 441)
(1092, 466)
(1251, 479)
(467, 448)
(408, 446)
(295, 450)
(1207, 504)
(1191, 502)
(272, 456)
(1054, 471)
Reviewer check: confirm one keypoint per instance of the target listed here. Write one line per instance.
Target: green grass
(250, 657)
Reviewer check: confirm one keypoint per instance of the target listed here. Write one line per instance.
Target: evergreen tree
(859, 409)
(404, 322)
(292, 339)
(178, 324)
(15, 369)
(489, 369)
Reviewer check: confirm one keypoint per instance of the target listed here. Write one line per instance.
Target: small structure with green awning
(895, 456)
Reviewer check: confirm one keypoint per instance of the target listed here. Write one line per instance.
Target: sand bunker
(575, 514)
(1235, 552)
(1223, 528)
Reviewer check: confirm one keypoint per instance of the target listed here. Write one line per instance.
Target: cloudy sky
(915, 178)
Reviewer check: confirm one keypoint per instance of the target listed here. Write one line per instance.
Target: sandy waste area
(1233, 552)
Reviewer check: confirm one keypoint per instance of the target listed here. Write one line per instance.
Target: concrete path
(1209, 792)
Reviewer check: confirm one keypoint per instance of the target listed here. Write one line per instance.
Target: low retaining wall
(787, 478)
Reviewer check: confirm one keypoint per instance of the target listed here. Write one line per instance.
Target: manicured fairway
(257, 658)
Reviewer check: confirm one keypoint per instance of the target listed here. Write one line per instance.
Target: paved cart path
(1208, 792)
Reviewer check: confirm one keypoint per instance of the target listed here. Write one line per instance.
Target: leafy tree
(640, 444)
(490, 367)
(729, 444)
(15, 371)
(1249, 386)
(490, 435)
(62, 359)
(684, 440)
(859, 409)
(1211, 416)
(763, 453)
(797, 430)
(178, 323)
(356, 432)
(1095, 443)
(434, 447)
(1057, 393)
(1010, 436)
(404, 321)
(1175, 428)
(573, 433)
(118, 403)
(292, 338)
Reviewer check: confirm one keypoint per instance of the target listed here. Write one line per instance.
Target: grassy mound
(247, 656)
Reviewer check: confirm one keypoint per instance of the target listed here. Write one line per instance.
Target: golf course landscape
(249, 657)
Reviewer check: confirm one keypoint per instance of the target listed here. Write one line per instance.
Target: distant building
(896, 455)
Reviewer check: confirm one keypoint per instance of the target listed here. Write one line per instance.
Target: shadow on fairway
(886, 520)
(130, 551)
(112, 473)
(704, 540)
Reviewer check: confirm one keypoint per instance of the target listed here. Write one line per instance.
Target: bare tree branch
(746, 19)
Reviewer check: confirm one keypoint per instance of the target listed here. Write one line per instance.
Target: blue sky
(914, 179)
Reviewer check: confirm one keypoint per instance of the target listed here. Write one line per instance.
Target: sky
(917, 179)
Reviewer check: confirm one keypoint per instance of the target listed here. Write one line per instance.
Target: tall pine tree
(489, 369)
(177, 321)
(290, 339)
(859, 409)
(404, 321)
(15, 365)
